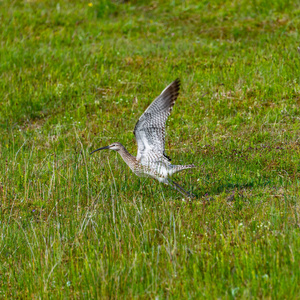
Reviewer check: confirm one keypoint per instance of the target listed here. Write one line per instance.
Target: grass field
(75, 76)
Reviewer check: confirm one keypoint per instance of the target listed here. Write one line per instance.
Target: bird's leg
(180, 189)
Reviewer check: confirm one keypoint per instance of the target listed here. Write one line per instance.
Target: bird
(149, 131)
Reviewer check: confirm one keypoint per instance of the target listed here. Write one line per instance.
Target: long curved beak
(107, 147)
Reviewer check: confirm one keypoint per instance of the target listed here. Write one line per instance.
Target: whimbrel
(149, 131)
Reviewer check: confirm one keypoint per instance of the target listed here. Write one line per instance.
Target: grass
(80, 226)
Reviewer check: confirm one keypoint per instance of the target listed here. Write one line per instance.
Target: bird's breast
(152, 169)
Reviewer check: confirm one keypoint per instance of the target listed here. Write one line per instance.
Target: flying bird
(149, 131)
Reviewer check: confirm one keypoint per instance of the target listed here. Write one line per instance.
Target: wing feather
(149, 130)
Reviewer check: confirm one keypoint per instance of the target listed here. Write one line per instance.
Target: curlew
(149, 131)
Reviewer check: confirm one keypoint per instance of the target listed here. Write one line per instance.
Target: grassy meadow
(75, 76)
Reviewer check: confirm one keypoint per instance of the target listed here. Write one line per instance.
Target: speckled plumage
(149, 131)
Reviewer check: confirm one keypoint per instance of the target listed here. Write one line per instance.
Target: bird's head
(114, 146)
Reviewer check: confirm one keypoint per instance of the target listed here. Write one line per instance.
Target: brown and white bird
(149, 131)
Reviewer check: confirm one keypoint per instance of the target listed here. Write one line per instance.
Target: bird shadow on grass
(216, 189)
(229, 186)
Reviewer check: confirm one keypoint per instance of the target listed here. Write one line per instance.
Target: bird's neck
(127, 157)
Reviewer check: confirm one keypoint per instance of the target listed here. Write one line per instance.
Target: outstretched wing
(149, 130)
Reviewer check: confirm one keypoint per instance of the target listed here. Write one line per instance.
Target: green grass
(80, 226)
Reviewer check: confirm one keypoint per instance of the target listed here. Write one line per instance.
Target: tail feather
(179, 168)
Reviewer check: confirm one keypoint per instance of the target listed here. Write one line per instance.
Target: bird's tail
(179, 168)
